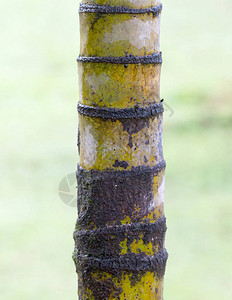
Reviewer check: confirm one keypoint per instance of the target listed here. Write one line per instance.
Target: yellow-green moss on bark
(113, 35)
(119, 237)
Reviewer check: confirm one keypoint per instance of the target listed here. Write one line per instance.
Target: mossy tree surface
(119, 237)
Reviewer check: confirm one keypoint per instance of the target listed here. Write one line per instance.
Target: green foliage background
(38, 97)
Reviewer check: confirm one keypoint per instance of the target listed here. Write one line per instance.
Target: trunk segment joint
(126, 113)
(135, 171)
(129, 263)
(107, 9)
(154, 58)
(133, 229)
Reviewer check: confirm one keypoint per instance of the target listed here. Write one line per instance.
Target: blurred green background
(38, 94)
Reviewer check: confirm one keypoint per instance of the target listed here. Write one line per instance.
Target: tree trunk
(119, 237)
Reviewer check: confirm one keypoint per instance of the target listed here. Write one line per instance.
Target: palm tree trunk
(119, 237)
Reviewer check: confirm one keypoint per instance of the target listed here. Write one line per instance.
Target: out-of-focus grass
(38, 94)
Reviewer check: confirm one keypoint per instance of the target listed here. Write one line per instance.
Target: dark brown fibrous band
(155, 58)
(99, 192)
(107, 9)
(126, 113)
(140, 170)
(157, 227)
(129, 263)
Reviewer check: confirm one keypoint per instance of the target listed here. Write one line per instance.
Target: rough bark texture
(119, 236)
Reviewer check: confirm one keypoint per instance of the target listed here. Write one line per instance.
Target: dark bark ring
(107, 9)
(131, 263)
(125, 113)
(154, 58)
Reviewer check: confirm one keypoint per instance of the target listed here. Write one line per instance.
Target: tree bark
(119, 236)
